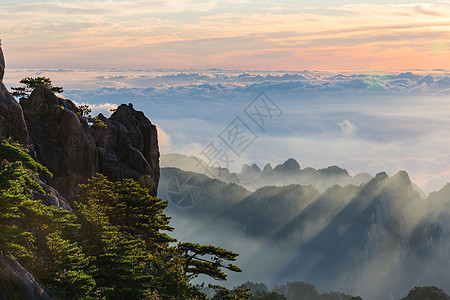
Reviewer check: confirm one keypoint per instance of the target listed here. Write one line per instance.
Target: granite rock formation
(128, 147)
(2, 63)
(12, 122)
(61, 138)
(63, 141)
(73, 150)
(18, 283)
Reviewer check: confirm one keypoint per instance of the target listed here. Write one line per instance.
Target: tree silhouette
(29, 84)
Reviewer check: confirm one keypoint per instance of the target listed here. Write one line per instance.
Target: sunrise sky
(363, 84)
(228, 34)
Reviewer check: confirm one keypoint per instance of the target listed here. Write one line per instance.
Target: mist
(366, 122)
(377, 239)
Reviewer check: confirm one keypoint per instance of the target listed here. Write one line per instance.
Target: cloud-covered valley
(369, 121)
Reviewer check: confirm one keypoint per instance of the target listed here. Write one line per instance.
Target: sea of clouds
(369, 121)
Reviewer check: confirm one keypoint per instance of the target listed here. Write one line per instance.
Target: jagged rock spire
(2, 63)
(12, 122)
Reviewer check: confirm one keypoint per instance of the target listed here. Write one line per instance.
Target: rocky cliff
(2, 63)
(17, 283)
(74, 150)
(12, 122)
(128, 147)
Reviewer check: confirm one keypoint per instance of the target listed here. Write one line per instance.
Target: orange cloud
(197, 34)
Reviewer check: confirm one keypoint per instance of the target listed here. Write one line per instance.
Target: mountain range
(375, 238)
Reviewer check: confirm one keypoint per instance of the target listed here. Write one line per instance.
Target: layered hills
(376, 238)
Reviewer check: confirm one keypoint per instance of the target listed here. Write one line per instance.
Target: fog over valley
(365, 122)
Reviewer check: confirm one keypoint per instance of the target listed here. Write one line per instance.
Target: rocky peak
(12, 122)
(290, 166)
(334, 171)
(251, 171)
(128, 147)
(2, 63)
(61, 138)
(42, 100)
(267, 168)
(71, 149)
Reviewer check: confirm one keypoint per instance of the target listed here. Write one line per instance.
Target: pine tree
(29, 84)
(207, 260)
(117, 261)
(131, 208)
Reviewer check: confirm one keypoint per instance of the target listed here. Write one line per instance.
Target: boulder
(51, 196)
(128, 147)
(62, 140)
(16, 282)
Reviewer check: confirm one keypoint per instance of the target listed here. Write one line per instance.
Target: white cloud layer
(365, 122)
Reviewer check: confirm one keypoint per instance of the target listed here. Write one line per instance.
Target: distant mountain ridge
(252, 177)
(376, 239)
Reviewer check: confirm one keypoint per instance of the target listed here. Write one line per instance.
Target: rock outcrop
(64, 142)
(12, 123)
(74, 152)
(51, 196)
(18, 283)
(128, 147)
(2, 63)
(71, 149)
(61, 138)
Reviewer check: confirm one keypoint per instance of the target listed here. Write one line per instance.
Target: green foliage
(121, 227)
(68, 262)
(239, 293)
(267, 296)
(426, 292)
(15, 186)
(29, 84)
(113, 246)
(207, 260)
(131, 208)
(96, 122)
(30, 230)
(117, 262)
(301, 290)
(255, 287)
(23, 219)
(85, 110)
(12, 151)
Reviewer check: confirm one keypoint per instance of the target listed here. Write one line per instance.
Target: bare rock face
(128, 147)
(2, 63)
(18, 283)
(12, 122)
(51, 197)
(73, 152)
(62, 140)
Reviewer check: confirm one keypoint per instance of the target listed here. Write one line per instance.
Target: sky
(227, 34)
(362, 84)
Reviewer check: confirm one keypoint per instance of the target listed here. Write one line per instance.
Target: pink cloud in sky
(195, 34)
